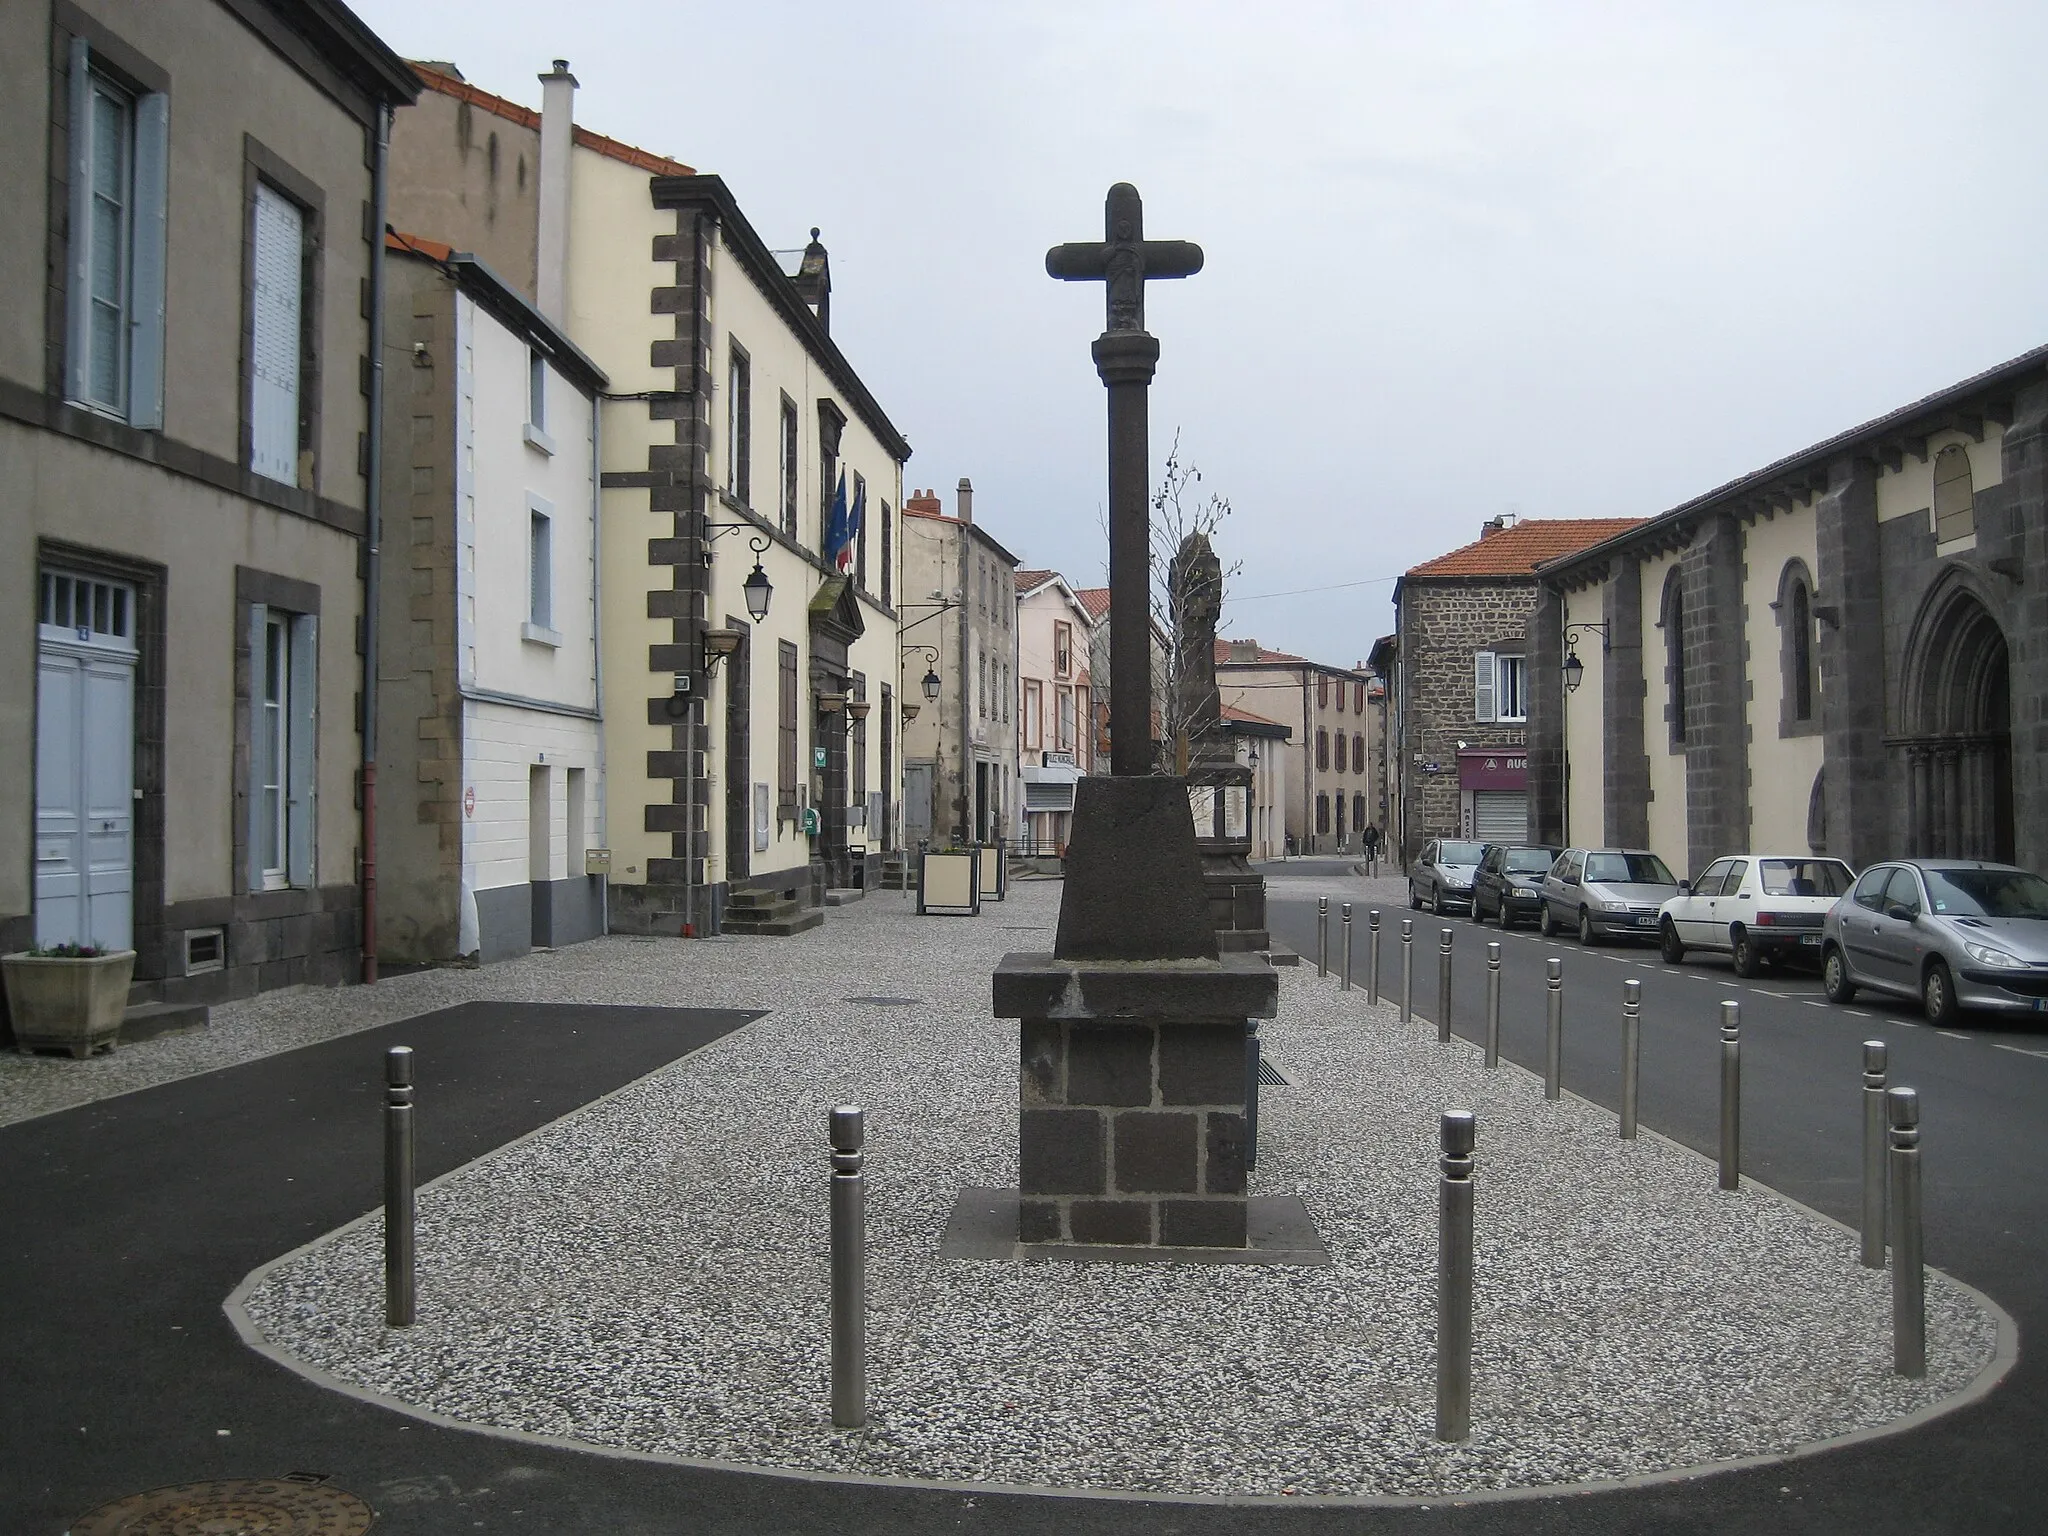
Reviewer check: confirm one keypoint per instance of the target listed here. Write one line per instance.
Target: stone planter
(61, 1003)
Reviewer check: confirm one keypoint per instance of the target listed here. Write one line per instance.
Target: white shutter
(1483, 677)
(258, 618)
(302, 760)
(274, 345)
(146, 316)
(78, 281)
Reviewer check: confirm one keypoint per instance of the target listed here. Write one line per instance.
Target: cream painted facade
(1047, 694)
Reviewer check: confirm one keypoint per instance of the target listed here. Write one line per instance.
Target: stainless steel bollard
(1909, 1279)
(1372, 957)
(1322, 936)
(1345, 984)
(1875, 1064)
(849, 1269)
(400, 1285)
(1631, 1053)
(1493, 1005)
(1731, 1095)
(1553, 1028)
(1407, 969)
(1458, 1133)
(1443, 985)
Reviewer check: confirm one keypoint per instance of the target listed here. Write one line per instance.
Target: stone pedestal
(1237, 895)
(1131, 1097)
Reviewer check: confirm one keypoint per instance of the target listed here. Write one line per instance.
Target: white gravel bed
(649, 1272)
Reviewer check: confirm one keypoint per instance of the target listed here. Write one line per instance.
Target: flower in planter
(70, 949)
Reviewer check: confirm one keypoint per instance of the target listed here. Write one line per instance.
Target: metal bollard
(1553, 1028)
(1443, 985)
(1372, 960)
(1875, 1063)
(1493, 1005)
(1909, 1279)
(1731, 1095)
(1457, 1132)
(1631, 1053)
(400, 1286)
(1322, 936)
(1345, 984)
(1407, 969)
(849, 1269)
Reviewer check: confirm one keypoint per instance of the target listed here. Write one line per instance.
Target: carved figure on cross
(1123, 261)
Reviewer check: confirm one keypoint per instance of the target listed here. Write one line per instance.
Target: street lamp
(931, 687)
(756, 587)
(1575, 669)
(931, 676)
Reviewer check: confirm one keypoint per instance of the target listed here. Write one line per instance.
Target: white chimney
(551, 253)
(966, 495)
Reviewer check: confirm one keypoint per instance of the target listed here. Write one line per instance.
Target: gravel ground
(649, 1273)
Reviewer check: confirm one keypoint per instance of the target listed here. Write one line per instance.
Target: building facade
(1461, 625)
(1845, 651)
(1328, 747)
(490, 753)
(960, 754)
(1056, 725)
(744, 465)
(185, 434)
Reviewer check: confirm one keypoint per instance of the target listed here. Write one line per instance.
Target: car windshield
(1627, 869)
(1530, 861)
(1459, 853)
(1805, 877)
(1987, 893)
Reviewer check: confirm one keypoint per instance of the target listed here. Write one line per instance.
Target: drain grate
(887, 1002)
(283, 1506)
(1270, 1075)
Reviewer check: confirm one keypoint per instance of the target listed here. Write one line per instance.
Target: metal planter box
(61, 1003)
(949, 884)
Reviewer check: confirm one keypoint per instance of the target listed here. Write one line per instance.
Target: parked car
(1605, 891)
(1754, 907)
(1508, 885)
(1442, 874)
(1955, 934)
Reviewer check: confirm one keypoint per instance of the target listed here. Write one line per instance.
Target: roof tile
(1518, 549)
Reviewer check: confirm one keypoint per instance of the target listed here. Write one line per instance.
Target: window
(785, 722)
(536, 391)
(981, 683)
(858, 510)
(1801, 641)
(1065, 724)
(1062, 650)
(1716, 876)
(277, 334)
(888, 556)
(1034, 715)
(1673, 622)
(1955, 507)
(790, 462)
(1357, 752)
(739, 443)
(1358, 697)
(1322, 750)
(859, 734)
(1870, 889)
(1322, 813)
(1512, 697)
(1340, 742)
(1499, 687)
(1083, 707)
(1903, 890)
(114, 300)
(1340, 698)
(283, 647)
(540, 573)
(1322, 693)
(1358, 813)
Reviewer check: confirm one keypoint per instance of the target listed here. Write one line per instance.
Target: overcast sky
(1565, 260)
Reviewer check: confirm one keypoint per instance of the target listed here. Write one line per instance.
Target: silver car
(1955, 934)
(1603, 892)
(1442, 875)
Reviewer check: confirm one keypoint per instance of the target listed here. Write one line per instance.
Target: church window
(1673, 623)
(1955, 507)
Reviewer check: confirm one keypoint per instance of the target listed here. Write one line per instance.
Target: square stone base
(1277, 1230)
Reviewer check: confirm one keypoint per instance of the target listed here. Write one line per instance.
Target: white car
(1754, 907)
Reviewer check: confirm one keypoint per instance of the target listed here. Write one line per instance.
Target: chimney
(1492, 526)
(922, 501)
(557, 142)
(814, 281)
(966, 495)
(1244, 650)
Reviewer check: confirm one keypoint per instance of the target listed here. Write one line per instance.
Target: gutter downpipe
(373, 517)
(604, 778)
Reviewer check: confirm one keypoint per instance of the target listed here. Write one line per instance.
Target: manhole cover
(232, 1507)
(887, 1002)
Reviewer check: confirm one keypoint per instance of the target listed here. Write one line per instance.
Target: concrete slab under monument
(1278, 1230)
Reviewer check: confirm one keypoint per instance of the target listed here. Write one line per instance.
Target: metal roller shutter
(1500, 815)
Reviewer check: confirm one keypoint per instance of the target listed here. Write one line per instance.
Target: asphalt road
(1984, 1118)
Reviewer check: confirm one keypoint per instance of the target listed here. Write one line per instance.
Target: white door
(85, 762)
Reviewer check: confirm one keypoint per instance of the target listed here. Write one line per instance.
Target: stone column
(1716, 694)
(1852, 664)
(1624, 765)
(2026, 482)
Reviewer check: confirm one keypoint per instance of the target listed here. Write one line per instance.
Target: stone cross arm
(1123, 261)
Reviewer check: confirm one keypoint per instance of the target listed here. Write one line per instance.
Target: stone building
(491, 755)
(1463, 679)
(960, 756)
(186, 360)
(1328, 746)
(1844, 651)
(749, 637)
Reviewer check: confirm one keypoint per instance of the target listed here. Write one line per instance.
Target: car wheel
(1668, 943)
(1586, 934)
(1414, 901)
(1436, 901)
(1834, 977)
(1507, 918)
(1472, 910)
(1938, 997)
(1743, 953)
(1545, 923)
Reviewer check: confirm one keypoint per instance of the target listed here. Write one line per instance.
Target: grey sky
(1574, 260)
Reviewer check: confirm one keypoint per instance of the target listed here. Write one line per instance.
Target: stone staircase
(899, 872)
(773, 914)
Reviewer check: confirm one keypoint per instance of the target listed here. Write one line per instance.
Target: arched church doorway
(1959, 714)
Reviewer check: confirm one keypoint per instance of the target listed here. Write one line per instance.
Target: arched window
(1794, 609)
(1802, 654)
(1955, 504)
(1673, 624)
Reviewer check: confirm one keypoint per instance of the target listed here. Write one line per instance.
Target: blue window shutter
(302, 761)
(78, 280)
(146, 321)
(258, 617)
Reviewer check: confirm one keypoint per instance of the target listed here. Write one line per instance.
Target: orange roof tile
(1518, 549)
(419, 245)
(1095, 600)
(1232, 712)
(1026, 580)
(1266, 657)
(447, 85)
